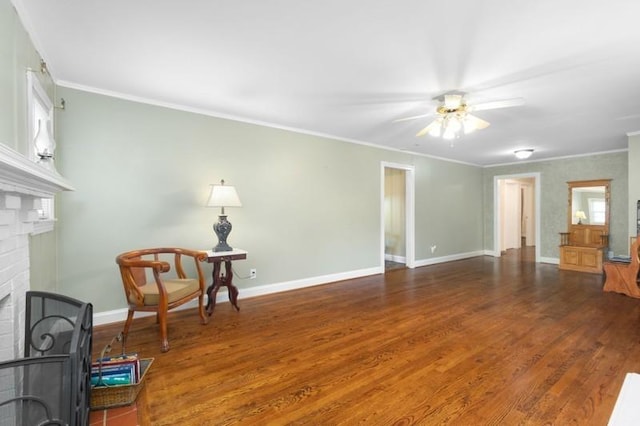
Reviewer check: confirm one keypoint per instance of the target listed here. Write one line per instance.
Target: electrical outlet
(252, 273)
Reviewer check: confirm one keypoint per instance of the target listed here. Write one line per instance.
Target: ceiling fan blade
(506, 103)
(478, 123)
(426, 129)
(413, 117)
(628, 117)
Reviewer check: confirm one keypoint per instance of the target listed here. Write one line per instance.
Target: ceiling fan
(453, 116)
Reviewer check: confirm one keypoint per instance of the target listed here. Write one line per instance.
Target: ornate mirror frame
(587, 233)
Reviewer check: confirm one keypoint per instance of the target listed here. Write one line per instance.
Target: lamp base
(222, 228)
(222, 246)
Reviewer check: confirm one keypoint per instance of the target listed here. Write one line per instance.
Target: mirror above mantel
(583, 246)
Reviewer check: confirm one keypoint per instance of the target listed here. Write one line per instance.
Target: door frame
(497, 208)
(409, 209)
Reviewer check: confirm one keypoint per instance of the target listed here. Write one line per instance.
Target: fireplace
(51, 384)
(23, 184)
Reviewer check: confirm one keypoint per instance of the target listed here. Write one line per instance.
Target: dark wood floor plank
(477, 341)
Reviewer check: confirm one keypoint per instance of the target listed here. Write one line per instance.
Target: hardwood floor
(390, 265)
(477, 341)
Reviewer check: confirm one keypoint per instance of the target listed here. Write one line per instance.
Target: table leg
(232, 290)
(212, 290)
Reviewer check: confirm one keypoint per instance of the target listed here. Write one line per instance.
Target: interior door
(528, 214)
(512, 215)
(394, 215)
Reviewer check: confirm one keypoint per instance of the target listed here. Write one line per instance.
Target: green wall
(17, 54)
(311, 205)
(554, 176)
(43, 262)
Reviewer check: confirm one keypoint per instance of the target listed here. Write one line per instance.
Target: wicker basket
(120, 395)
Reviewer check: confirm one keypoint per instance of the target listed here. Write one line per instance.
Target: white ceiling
(349, 68)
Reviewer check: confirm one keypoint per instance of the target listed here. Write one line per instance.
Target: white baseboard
(394, 258)
(120, 315)
(308, 282)
(442, 259)
(553, 260)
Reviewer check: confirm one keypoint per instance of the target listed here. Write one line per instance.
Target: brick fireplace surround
(23, 184)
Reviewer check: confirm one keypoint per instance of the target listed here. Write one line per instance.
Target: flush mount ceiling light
(523, 154)
(453, 118)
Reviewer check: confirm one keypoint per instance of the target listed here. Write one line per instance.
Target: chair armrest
(198, 256)
(159, 265)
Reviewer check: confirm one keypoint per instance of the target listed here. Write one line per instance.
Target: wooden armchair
(623, 277)
(164, 292)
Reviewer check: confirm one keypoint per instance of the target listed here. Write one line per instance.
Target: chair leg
(204, 319)
(162, 320)
(127, 324)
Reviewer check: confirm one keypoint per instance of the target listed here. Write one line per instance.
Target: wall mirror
(588, 205)
(588, 212)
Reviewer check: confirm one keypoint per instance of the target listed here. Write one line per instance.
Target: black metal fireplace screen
(51, 384)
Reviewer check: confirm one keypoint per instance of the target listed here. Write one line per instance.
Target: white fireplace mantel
(22, 184)
(20, 175)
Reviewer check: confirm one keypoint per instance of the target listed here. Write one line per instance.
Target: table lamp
(580, 215)
(223, 196)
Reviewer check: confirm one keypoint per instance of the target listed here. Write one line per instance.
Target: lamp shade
(223, 196)
(580, 214)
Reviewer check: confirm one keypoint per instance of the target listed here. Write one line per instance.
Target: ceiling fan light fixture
(453, 116)
(523, 154)
(436, 129)
(469, 125)
(452, 102)
(448, 134)
(454, 124)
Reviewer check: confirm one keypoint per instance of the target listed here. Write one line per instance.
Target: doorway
(517, 213)
(397, 216)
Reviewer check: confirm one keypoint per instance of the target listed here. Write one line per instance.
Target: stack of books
(116, 370)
